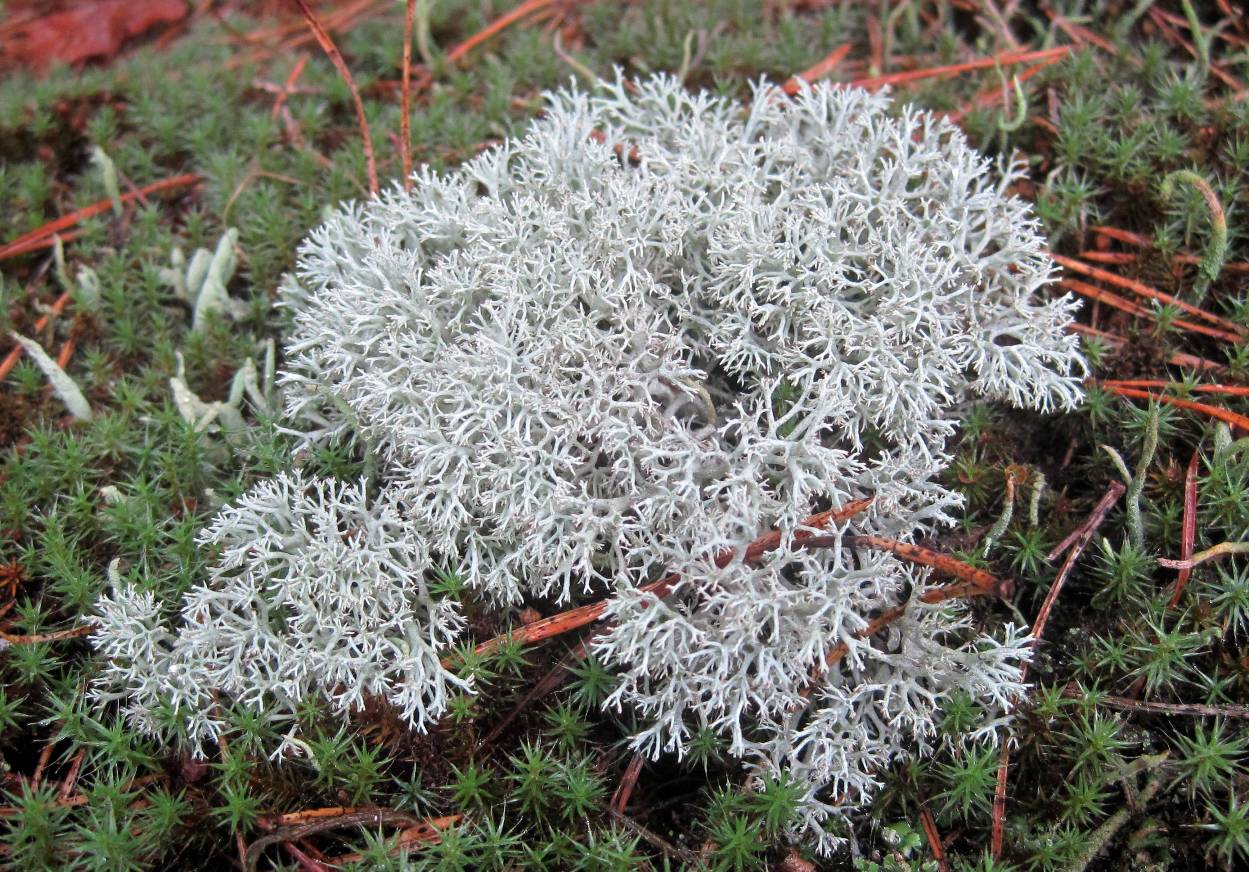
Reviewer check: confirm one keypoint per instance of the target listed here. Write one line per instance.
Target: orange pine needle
(405, 98)
(989, 96)
(23, 243)
(977, 580)
(1240, 422)
(1093, 292)
(817, 71)
(327, 45)
(13, 356)
(934, 839)
(574, 618)
(1146, 291)
(1114, 258)
(1162, 384)
(1142, 241)
(495, 27)
(1006, 58)
(1178, 358)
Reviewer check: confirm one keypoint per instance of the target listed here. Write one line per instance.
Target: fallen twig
(1100, 837)
(980, 581)
(425, 832)
(372, 817)
(550, 682)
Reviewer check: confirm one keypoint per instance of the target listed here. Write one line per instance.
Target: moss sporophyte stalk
(654, 327)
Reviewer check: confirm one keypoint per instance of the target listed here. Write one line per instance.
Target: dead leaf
(89, 30)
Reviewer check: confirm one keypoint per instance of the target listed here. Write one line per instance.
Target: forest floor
(134, 134)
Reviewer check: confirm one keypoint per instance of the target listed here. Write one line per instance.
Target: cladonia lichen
(654, 327)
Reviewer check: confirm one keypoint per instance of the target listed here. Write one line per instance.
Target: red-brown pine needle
(1079, 540)
(495, 27)
(405, 98)
(24, 243)
(13, 356)
(1240, 422)
(1144, 290)
(1188, 534)
(817, 71)
(1004, 59)
(336, 58)
(574, 618)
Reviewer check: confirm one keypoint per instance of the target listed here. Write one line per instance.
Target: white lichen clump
(656, 327)
(317, 591)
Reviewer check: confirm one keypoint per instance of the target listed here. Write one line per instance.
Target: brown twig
(306, 863)
(1078, 541)
(980, 581)
(372, 817)
(428, 832)
(327, 45)
(549, 683)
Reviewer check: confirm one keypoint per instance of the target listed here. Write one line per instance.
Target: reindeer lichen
(654, 327)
